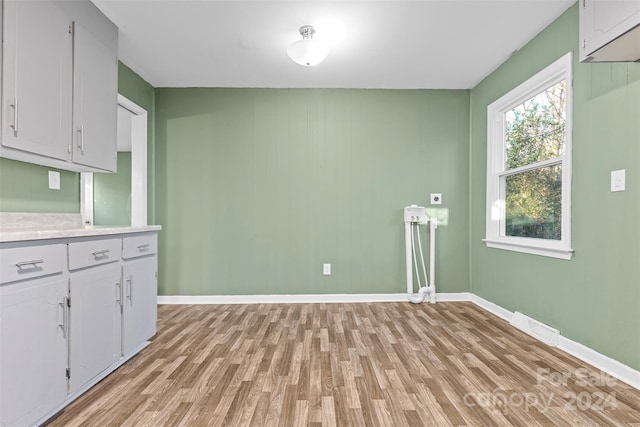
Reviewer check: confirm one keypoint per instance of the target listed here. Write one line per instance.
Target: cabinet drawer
(135, 246)
(30, 262)
(94, 252)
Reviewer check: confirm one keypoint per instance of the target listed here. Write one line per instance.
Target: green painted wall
(112, 194)
(256, 188)
(25, 188)
(595, 298)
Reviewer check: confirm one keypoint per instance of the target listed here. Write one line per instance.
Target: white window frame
(562, 69)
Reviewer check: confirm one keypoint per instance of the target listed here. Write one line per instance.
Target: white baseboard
(606, 364)
(293, 299)
(492, 308)
(280, 299)
(453, 297)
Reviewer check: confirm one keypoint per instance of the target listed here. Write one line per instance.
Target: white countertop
(24, 234)
(19, 227)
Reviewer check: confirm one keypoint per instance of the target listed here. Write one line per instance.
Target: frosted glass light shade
(308, 52)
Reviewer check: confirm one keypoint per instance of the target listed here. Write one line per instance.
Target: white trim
(606, 364)
(138, 161)
(529, 248)
(86, 198)
(492, 308)
(561, 69)
(139, 117)
(532, 166)
(453, 297)
(280, 299)
(295, 299)
(599, 361)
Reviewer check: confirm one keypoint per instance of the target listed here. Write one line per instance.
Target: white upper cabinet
(59, 85)
(609, 30)
(36, 79)
(95, 79)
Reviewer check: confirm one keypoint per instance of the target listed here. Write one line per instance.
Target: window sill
(532, 249)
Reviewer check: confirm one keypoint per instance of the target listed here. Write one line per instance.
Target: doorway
(120, 199)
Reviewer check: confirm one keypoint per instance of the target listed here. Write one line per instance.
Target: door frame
(139, 120)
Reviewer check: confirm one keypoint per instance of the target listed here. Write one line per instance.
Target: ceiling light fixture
(308, 52)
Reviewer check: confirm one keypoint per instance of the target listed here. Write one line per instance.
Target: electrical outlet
(54, 180)
(326, 269)
(436, 198)
(618, 180)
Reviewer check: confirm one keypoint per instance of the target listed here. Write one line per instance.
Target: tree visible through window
(535, 132)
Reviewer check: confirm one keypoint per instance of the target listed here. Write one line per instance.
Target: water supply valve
(415, 214)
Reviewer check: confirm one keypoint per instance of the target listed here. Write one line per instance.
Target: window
(529, 165)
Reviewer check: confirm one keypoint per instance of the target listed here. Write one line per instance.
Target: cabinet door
(603, 21)
(95, 322)
(95, 78)
(140, 302)
(36, 80)
(34, 349)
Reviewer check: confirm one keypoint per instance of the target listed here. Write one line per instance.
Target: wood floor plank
(370, 364)
(328, 411)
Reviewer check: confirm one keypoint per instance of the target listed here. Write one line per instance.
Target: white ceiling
(432, 44)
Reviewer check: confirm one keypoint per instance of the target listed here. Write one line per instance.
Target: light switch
(326, 269)
(54, 180)
(618, 180)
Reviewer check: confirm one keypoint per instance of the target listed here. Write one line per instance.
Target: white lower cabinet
(139, 302)
(71, 311)
(33, 337)
(95, 321)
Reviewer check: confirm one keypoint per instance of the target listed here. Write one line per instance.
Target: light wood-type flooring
(369, 364)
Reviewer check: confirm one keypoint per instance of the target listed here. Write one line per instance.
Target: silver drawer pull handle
(143, 247)
(103, 252)
(34, 263)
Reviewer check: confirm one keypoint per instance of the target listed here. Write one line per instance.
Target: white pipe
(411, 255)
(407, 244)
(433, 224)
(414, 227)
(424, 268)
(428, 291)
(422, 294)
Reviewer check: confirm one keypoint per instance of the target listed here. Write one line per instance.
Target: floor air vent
(539, 330)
